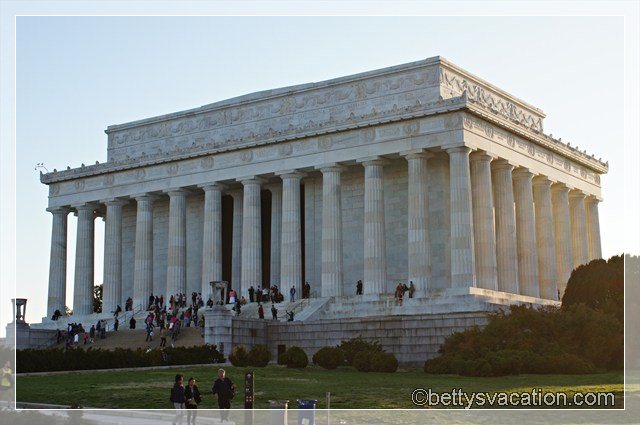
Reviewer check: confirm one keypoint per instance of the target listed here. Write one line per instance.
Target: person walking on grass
(178, 398)
(224, 390)
(192, 399)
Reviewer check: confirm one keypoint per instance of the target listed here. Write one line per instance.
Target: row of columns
(510, 231)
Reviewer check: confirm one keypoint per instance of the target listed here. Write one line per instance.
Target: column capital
(481, 156)
(502, 164)
(89, 206)
(522, 173)
(458, 149)
(330, 167)
(577, 194)
(372, 160)
(290, 174)
(59, 210)
(559, 187)
(416, 154)
(251, 180)
(179, 191)
(212, 186)
(115, 202)
(592, 199)
(541, 180)
(144, 197)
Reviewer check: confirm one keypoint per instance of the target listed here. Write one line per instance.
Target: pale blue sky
(76, 76)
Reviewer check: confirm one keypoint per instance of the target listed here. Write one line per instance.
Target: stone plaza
(420, 172)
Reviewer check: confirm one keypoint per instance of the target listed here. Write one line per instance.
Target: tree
(97, 299)
(598, 284)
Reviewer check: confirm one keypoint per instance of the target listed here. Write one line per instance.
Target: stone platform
(412, 331)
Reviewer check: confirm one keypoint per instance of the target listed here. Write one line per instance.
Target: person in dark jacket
(177, 398)
(224, 389)
(192, 399)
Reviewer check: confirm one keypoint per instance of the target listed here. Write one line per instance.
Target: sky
(77, 75)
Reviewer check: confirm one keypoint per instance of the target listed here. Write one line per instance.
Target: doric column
(143, 260)
(211, 237)
(593, 228)
(579, 243)
(236, 243)
(332, 262)
(291, 251)
(276, 232)
(419, 258)
(375, 257)
(562, 233)
(112, 281)
(526, 233)
(58, 261)
(462, 249)
(505, 218)
(83, 284)
(177, 245)
(251, 237)
(545, 239)
(484, 236)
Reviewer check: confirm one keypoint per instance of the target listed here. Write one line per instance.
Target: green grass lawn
(149, 389)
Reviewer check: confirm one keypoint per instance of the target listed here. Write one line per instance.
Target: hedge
(58, 359)
(294, 357)
(328, 357)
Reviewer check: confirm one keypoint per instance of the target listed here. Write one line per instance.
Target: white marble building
(419, 172)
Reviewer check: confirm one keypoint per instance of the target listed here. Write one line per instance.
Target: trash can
(307, 412)
(279, 413)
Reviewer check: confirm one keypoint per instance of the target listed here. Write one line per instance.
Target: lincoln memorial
(420, 172)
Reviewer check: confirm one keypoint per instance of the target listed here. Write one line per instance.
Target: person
(274, 312)
(259, 293)
(132, 323)
(6, 380)
(260, 311)
(412, 289)
(92, 333)
(359, 288)
(232, 296)
(243, 300)
(177, 398)
(289, 315)
(163, 336)
(161, 301)
(56, 315)
(115, 324)
(149, 332)
(118, 311)
(307, 290)
(192, 399)
(292, 293)
(210, 303)
(251, 293)
(224, 390)
(399, 293)
(237, 308)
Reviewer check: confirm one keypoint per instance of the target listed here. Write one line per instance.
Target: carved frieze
(529, 148)
(490, 99)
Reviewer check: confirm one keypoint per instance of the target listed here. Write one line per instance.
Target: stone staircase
(135, 338)
(451, 300)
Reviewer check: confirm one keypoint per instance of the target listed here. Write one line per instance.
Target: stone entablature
(429, 132)
(398, 93)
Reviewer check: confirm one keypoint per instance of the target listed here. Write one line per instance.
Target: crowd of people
(189, 397)
(76, 334)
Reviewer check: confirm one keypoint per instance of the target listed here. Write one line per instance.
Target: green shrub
(294, 357)
(383, 362)
(259, 356)
(362, 361)
(355, 345)
(57, 359)
(586, 335)
(328, 357)
(239, 356)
